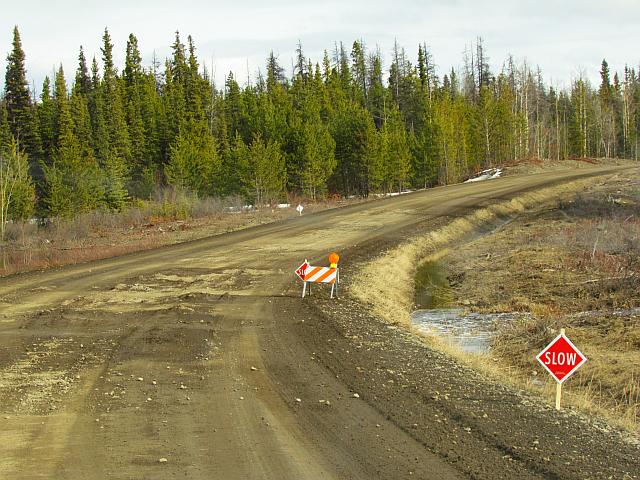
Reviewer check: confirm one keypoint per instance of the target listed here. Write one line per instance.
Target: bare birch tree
(17, 193)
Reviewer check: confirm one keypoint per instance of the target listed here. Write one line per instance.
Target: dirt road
(195, 361)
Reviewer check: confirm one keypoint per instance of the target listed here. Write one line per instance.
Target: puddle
(468, 331)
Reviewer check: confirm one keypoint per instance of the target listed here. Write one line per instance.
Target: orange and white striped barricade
(310, 274)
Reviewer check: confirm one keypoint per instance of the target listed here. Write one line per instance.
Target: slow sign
(561, 358)
(301, 270)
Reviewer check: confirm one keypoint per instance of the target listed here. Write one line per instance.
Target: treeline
(337, 126)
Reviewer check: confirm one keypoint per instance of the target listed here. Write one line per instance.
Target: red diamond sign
(561, 358)
(301, 270)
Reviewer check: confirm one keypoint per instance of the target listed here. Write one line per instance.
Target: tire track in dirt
(198, 337)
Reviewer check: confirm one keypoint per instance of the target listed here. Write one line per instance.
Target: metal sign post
(300, 272)
(334, 286)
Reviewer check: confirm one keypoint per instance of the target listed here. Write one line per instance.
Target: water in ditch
(468, 331)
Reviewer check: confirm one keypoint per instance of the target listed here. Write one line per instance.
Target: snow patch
(486, 175)
(238, 209)
(391, 194)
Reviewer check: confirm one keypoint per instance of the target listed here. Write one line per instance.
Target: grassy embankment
(587, 261)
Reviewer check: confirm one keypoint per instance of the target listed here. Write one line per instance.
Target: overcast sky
(563, 37)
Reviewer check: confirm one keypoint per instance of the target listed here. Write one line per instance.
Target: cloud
(561, 36)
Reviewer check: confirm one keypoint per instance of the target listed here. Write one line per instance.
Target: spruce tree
(116, 164)
(605, 90)
(422, 69)
(5, 131)
(46, 114)
(275, 72)
(154, 122)
(425, 145)
(265, 171)
(359, 69)
(100, 134)
(194, 160)
(21, 114)
(73, 180)
(317, 151)
(377, 93)
(395, 152)
(79, 106)
(607, 97)
(195, 86)
(235, 109)
(353, 131)
(174, 104)
(135, 97)
(346, 79)
(232, 176)
(82, 84)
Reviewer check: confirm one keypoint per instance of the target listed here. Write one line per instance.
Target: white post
(558, 384)
(304, 288)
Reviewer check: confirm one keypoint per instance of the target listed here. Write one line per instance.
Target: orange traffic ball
(334, 258)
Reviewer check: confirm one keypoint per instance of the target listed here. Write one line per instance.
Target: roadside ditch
(472, 290)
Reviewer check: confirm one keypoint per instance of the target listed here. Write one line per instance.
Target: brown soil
(202, 354)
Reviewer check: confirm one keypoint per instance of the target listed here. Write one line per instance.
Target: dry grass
(534, 165)
(603, 243)
(562, 273)
(617, 401)
(607, 385)
(387, 282)
(598, 249)
(171, 217)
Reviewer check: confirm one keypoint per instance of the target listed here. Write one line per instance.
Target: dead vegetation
(608, 384)
(603, 242)
(387, 283)
(171, 217)
(53, 242)
(595, 242)
(573, 264)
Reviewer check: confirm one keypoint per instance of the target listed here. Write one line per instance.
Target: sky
(565, 38)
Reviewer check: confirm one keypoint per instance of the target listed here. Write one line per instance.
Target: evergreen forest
(348, 124)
